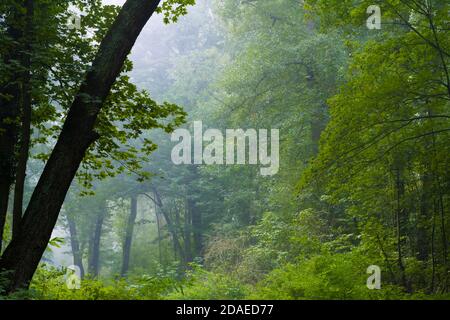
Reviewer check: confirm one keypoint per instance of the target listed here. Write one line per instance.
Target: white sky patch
(116, 2)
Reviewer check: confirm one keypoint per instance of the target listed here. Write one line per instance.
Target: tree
(129, 235)
(22, 255)
(386, 140)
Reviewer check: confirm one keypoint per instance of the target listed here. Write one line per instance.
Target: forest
(224, 149)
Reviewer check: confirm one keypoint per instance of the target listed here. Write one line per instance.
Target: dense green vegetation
(364, 173)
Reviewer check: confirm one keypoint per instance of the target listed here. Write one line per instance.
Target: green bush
(328, 276)
(206, 285)
(49, 283)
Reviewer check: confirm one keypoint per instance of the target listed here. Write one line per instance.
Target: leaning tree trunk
(129, 236)
(23, 254)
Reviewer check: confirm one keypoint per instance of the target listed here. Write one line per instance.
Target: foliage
(49, 283)
(364, 178)
(202, 284)
(325, 277)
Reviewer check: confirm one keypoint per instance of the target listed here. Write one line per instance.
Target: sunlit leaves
(173, 9)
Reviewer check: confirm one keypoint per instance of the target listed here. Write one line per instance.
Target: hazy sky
(114, 2)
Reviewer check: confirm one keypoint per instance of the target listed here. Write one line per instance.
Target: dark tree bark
(25, 130)
(22, 161)
(23, 254)
(129, 236)
(8, 138)
(75, 245)
(4, 197)
(9, 113)
(94, 245)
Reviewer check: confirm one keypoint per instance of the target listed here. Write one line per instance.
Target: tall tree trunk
(196, 227)
(433, 251)
(318, 124)
(9, 113)
(444, 244)
(170, 224)
(4, 197)
(22, 163)
(400, 218)
(129, 236)
(194, 212)
(187, 234)
(94, 245)
(75, 245)
(25, 130)
(158, 225)
(179, 235)
(318, 115)
(8, 138)
(440, 208)
(23, 254)
(424, 217)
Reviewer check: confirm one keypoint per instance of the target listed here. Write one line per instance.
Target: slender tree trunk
(8, 138)
(158, 225)
(25, 251)
(444, 244)
(4, 196)
(194, 212)
(25, 130)
(94, 245)
(170, 224)
(386, 258)
(179, 233)
(187, 234)
(9, 116)
(318, 124)
(22, 164)
(75, 245)
(129, 236)
(440, 208)
(317, 120)
(196, 227)
(424, 217)
(400, 212)
(433, 251)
